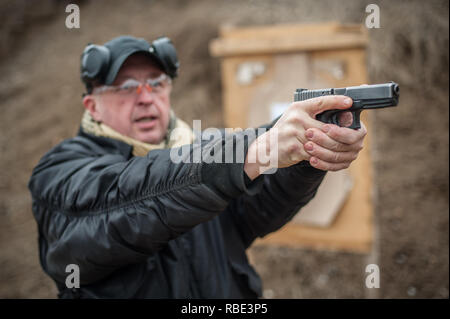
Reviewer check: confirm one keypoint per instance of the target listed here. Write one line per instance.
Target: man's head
(129, 86)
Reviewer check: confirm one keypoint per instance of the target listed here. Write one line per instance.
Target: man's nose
(145, 96)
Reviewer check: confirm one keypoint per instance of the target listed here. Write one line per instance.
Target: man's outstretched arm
(100, 210)
(304, 150)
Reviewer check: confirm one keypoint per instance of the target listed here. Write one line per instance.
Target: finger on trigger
(320, 104)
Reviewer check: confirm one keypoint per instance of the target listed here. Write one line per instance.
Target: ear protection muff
(164, 50)
(94, 62)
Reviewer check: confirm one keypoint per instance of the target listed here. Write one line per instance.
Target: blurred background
(40, 104)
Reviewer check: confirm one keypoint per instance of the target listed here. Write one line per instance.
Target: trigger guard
(356, 121)
(355, 125)
(335, 120)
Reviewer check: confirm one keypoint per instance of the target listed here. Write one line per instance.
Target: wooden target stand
(261, 68)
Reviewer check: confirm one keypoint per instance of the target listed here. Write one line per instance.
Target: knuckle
(317, 135)
(319, 165)
(294, 105)
(337, 147)
(292, 132)
(295, 156)
(292, 158)
(363, 129)
(289, 131)
(336, 157)
(304, 155)
(352, 139)
(299, 119)
(320, 102)
(364, 132)
(357, 147)
(323, 166)
(308, 150)
(293, 149)
(335, 100)
(336, 168)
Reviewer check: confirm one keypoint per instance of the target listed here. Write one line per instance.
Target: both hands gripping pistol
(364, 97)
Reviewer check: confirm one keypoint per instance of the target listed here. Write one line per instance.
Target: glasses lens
(159, 84)
(130, 86)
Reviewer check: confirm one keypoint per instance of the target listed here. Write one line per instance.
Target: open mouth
(146, 119)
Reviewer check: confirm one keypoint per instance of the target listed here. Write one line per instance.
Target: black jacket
(145, 227)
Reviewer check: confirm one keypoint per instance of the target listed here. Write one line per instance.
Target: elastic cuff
(308, 171)
(253, 187)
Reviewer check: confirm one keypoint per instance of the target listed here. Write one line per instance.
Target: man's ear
(91, 104)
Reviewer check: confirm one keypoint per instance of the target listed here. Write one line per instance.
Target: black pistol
(365, 97)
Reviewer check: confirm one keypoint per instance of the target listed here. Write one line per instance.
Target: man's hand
(301, 137)
(333, 148)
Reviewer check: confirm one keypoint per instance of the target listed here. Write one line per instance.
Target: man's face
(143, 116)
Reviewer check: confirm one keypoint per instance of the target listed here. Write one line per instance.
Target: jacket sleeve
(103, 211)
(278, 199)
(272, 200)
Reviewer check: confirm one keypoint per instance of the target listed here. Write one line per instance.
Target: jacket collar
(109, 144)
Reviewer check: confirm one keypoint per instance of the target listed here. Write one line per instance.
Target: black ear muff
(166, 53)
(94, 62)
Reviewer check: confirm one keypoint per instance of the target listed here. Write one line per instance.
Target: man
(138, 224)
